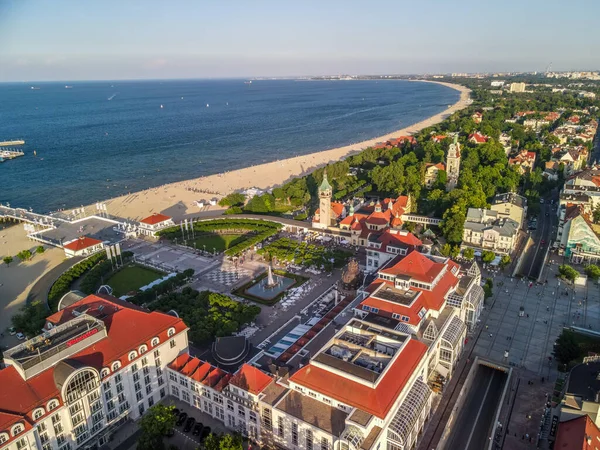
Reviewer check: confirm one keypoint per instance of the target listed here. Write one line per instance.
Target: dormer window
(38, 413)
(52, 404)
(171, 332)
(132, 355)
(155, 341)
(116, 366)
(18, 428)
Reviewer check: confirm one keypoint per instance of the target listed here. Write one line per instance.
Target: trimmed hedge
(165, 287)
(63, 284)
(91, 281)
(240, 292)
(262, 228)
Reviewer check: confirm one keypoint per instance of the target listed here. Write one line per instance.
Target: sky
(149, 39)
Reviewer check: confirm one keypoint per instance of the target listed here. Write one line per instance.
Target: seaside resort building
(102, 361)
(82, 246)
(150, 225)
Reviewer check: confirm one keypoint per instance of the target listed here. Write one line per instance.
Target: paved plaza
(547, 308)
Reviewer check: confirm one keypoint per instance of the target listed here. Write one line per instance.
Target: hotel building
(101, 361)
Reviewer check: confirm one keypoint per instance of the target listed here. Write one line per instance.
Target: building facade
(151, 225)
(485, 230)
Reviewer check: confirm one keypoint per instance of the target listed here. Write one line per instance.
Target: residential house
(431, 173)
(151, 225)
(478, 138)
(510, 205)
(82, 246)
(525, 161)
(485, 230)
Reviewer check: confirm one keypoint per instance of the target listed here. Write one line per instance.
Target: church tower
(453, 164)
(325, 192)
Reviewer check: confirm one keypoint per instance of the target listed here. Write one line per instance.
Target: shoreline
(178, 199)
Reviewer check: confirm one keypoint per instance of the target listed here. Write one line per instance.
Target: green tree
(568, 273)
(24, 255)
(596, 214)
(566, 348)
(7, 260)
(487, 288)
(39, 249)
(446, 249)
(468, 253)
(593, 271)
(233, 199)
(230, 442)
(505, 261)
(488, 256)
(410, 226)
(154, 425)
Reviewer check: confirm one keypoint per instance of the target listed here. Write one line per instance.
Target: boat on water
(68, 87)
(248, 82)
(35, 88)
(161, 106)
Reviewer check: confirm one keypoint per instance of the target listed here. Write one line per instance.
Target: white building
(154, 223)
(97, 364)
(517, 87)
(484, 229)
(82, 246)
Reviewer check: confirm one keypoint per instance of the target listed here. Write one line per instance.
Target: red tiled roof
(478, 137)
(398, 238)
(127, 329)
(573, 434)
(439, 166)
(417, 266)
(251, 379)
(155, 218)
(82, 243)
(377, 401)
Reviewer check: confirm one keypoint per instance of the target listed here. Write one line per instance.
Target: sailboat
(34, 153)
(161, 106)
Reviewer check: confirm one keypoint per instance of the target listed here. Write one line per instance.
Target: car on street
(12, 331)
(543, 241)
(205, 432)
(20, 336)
(181, 419)
(197, 429)
(189, 425)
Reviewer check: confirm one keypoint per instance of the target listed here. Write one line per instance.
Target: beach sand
(178, 199)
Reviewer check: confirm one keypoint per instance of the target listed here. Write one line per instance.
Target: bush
(505, 261)
(63, 284)
(308, 255)
(593, 271)
(487, 288)
(301, 216)
(24, 255)
(468, 254)
(208, 314)
(568, 273)
(91, 281)
(233, 199)
(487, 256)
(233, 210)
(39, 249)
(162, 288)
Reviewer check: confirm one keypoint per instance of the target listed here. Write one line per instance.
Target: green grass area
(219, 242)
(131, 278)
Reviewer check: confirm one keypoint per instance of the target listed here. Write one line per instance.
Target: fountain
(270, 286)
(271, 281)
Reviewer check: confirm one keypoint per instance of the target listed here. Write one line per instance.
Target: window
(124, 407)
(172, 343)
(157, 364)
(183, 381)
(172, 377)
(266, 420)
(143, 349)
(144, 361)
(97, 418)
(158, 370)
(150, 402)
(147, 380)
(396, 316)
(141, 408)
(106, 385)
(405, 319)
(60, 439)
(241, 411)
(324, 444)
(104, 373)
(38, 413)
(146, 370)
(110, 405)
(139, 396)
(220, 413)
(134, 368)
(3, 438)
(55, 419)
(295, 433)
(185, 396)
(156, 353)
(229, 405)
(252, 415)
(43, 438)
(162, 393)
(118, 378)
(231, 420)
(171, 332)
(119, 388)
(175, 391)
(18, 428)
(155, 341)
(132, 355)
(137, 386)
(52, 404)
(108, 395)
(161, 381)
(148, 389)
(309, 439)
(280, 429)
(42, 427)
(122, 398)
(22, 443)
(116, 366)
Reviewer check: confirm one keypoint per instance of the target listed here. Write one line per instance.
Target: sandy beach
(179, 199)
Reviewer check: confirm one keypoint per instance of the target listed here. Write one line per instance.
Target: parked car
(181, 419)
(197, 429)
(189, 425)
(12, 331)
(205, 432)
(170, 432)
(176, 412)
(20, 336)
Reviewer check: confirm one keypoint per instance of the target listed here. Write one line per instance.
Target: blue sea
(98, 140)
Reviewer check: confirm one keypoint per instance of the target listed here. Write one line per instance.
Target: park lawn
(131, 278)
(219, 242)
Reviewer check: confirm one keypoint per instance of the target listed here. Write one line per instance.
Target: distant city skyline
(72, 40)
